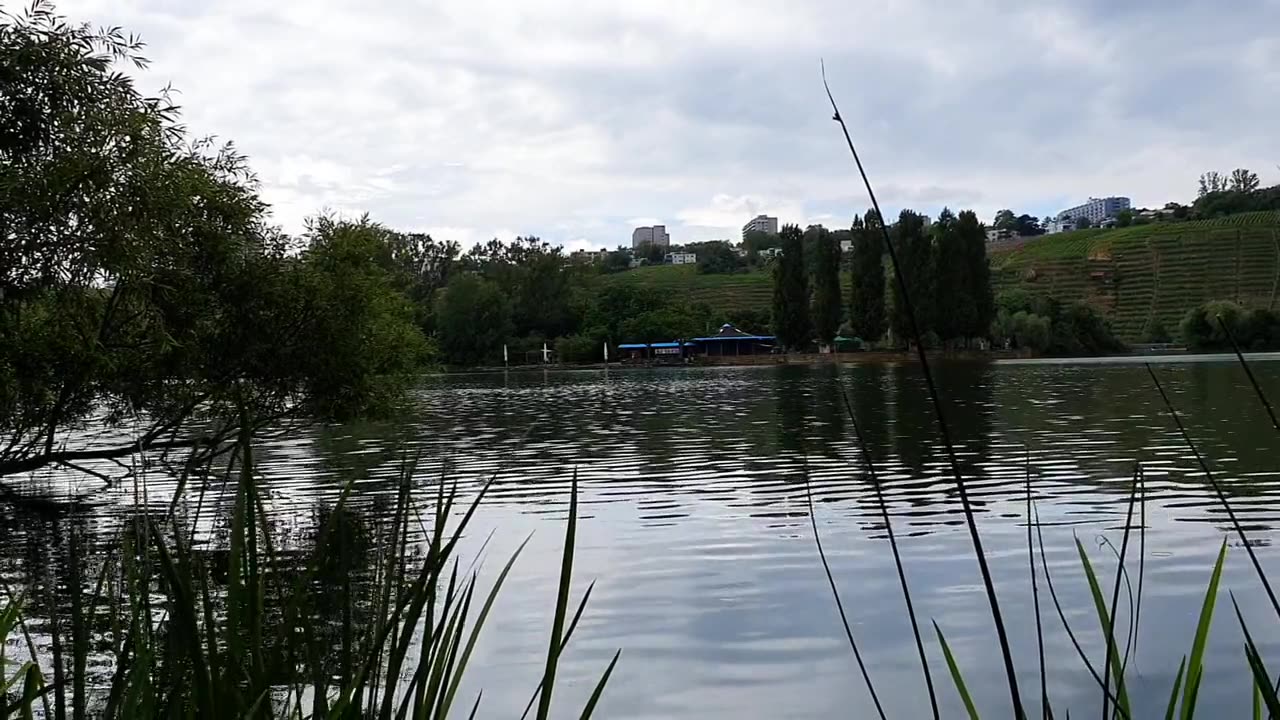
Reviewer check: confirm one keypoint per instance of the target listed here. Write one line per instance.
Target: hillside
(1132, 274)
(1156, 271)
(747, 290)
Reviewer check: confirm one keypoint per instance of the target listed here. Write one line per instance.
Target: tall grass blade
(1257, 389)
(955, 674)
(961, 490)
(562, 604)
(1195, 667)
(893, 545)
(1263, 690)
(577, 615)
(1173, 693)
(1222, 496)
(476, 706)
(595, 694)
(1142, 556)
(835, 592)
(1035, 602)
(1057, 605)
(478, 625)
(1111, 661)
(1260, 677)
(1110, 624)
(1257, 700)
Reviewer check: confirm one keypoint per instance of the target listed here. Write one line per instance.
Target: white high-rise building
(1096, 210)
(761, 223)
(655, 235)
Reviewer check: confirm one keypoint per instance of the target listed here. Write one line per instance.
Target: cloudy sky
(578, 119)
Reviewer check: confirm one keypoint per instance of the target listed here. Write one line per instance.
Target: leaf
(1100, 605)
(955, 674)
(1194, 664)
(595, 694)
(562, 603)
(1173, 694)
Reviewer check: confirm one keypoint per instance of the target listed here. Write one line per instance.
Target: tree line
(944, 267)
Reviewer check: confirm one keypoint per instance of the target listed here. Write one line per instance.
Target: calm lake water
(695, 528)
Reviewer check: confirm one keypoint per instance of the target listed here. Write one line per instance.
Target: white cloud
(575, 121)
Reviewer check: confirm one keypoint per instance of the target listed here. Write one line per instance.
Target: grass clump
(275, 641)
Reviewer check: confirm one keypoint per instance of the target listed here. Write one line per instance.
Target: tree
(826, 305)
(757, 240)
(473, 319)
(1124, 218)
(717, 258)
(791, 291)
(978, 300)
(956, 308)
(616, 261)
(915, 253)
(1005, 220)
(1211, 182)
(1244, 181)
(140, 282)
(1028, 226)
(1083, 223)
(536, 280)
(654, 254)
(866, 292)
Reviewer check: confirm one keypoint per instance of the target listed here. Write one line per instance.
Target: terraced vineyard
(1133, 274)
(1148, 272)
(752, 290)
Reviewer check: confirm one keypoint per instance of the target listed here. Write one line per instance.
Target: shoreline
(855, 358)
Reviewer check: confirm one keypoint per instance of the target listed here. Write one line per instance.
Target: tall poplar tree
(791, 291)
(954, 309)
(977, 275)
(826, 305)
(915, 253)
(866, 291)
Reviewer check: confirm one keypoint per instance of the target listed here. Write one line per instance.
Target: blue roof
(632, 346)
(665, 345)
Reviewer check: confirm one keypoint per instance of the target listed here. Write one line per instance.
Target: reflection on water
(694, 524)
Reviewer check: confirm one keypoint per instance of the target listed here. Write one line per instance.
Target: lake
(694, 525)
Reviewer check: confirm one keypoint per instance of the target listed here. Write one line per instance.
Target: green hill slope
(1132, 274)
(1148, 272)
(748, 290)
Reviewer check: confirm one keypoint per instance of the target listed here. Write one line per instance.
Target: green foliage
(536, 280)
(615, 304)
(651, 252)
(1042, 324)
(1024, 225)
(757, 240)
(616, 261)
(139, 269)
(1124, 218)
(976, 295)
(826, 305)
(791, 292)
(717, 258)
(751, 320)
(915, 253)
(959, 310)
(474, 320)
(1253, 329)
(580, 348)
(258, 643)
(1156, 333)
(866, 292)
(1233, 201)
